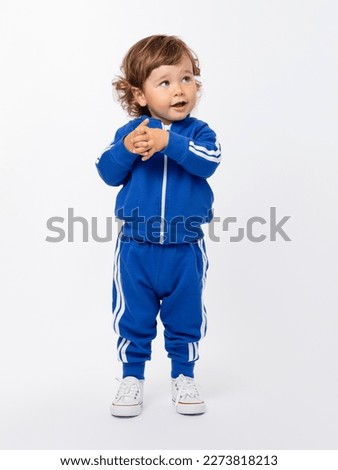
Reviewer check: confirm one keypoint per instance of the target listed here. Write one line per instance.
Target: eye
(164, 84)
(187, 79)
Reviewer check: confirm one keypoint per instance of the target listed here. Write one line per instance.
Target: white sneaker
(129, 398)
(186, 397)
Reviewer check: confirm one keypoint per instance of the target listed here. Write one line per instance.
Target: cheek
(161, 100)
(193, 92)
(193, 97)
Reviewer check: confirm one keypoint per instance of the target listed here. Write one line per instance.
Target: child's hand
(146, 141)
(157, 140)
(139, 131)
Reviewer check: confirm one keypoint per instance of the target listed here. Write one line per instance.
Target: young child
(162, 158)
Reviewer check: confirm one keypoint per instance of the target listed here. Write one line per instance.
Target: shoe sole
(125, 411)
(190, 409)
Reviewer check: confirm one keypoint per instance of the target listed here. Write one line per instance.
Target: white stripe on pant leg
(124, 351)
(119, 310)
(115, 280)
(119, 348)
(205, 257)
(120, 306)
(196, 351)
(204, 275)
(191, 352)
(205, 266)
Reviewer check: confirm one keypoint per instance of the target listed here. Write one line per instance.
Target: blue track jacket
(166, 198)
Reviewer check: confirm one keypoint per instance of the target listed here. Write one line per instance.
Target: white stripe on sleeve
(210, 155)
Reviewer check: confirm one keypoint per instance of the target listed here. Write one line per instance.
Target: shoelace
(126, 389)
(186, 389)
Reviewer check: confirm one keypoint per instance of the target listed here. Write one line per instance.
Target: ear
(139, 96)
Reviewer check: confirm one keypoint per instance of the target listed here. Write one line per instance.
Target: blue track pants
(166, 279)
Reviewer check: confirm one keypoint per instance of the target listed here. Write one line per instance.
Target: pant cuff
(185, 368)
(134, 369)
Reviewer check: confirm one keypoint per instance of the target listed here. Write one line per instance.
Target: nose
(178, 90)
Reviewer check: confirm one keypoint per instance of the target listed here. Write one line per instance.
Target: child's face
(170, 91)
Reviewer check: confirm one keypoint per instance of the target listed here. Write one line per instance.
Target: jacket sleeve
(116, 162)
(199, 156)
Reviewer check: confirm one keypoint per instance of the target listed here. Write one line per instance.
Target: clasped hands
(146, 141)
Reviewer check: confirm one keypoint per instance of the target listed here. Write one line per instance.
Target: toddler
(161, 159)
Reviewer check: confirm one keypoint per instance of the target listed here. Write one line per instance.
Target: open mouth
(180, 104)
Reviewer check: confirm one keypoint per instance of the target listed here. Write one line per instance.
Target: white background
(268, 365)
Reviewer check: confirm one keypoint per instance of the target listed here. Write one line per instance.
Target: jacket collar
(158, 123)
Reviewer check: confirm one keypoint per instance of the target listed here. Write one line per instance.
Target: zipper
(164, 188)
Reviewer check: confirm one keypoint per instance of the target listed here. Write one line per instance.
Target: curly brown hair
(141, 59)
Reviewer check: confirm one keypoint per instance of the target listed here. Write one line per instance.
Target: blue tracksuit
(160, 260)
